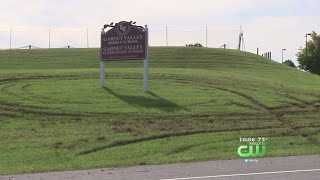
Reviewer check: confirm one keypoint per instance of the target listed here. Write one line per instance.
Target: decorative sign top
(124, 40)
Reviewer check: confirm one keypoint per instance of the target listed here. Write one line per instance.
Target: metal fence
(13, 38)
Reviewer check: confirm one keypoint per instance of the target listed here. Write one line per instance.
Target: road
(278, 168)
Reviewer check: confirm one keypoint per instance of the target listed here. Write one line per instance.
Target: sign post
(102, 74)
(146, 68)
(124, 41)
(102, 65)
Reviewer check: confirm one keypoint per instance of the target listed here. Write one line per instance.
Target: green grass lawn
(55, 117)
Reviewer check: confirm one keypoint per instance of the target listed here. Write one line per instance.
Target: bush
(290, 63)
(194, 45)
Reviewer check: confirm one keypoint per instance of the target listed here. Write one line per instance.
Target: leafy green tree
(309, 59)
(290, 63)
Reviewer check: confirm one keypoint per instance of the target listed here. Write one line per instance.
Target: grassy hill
(54, 116)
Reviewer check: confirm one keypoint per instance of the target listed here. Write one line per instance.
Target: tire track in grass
(6, 114)
(277, 115)
(161, 136)
(38, 110)
(272, 112)
(189, 79)
(261, 106)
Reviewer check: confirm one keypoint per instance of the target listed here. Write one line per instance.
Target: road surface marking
(249, 174)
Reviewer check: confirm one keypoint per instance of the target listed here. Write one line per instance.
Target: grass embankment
(54, 116)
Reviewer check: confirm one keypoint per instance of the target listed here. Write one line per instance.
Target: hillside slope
(54, 116)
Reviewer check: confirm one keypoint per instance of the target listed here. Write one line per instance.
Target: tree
(310, 60)
(290, 63)
(194, 45)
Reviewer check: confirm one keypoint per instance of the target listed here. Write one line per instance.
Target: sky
(270, 25)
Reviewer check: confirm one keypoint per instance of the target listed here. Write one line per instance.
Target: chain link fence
(16, 38)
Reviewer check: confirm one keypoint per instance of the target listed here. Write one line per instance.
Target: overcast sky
(270, 25)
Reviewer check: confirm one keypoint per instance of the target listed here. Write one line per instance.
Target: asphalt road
(279, 168)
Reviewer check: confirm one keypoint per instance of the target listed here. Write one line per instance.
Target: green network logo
(252, 151)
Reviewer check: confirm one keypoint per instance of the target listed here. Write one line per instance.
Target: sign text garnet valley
(123, 41)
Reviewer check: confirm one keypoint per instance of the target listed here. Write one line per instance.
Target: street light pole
(308, 34)
(282, 54)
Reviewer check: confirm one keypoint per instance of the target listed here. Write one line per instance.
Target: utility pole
(167, 36)
(49, 39)
(87, 38)
(10, 37)
(241, 45)
(206, 36)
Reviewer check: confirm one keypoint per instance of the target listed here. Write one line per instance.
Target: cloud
(270, 25)
(275, 33)
(61, 13)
